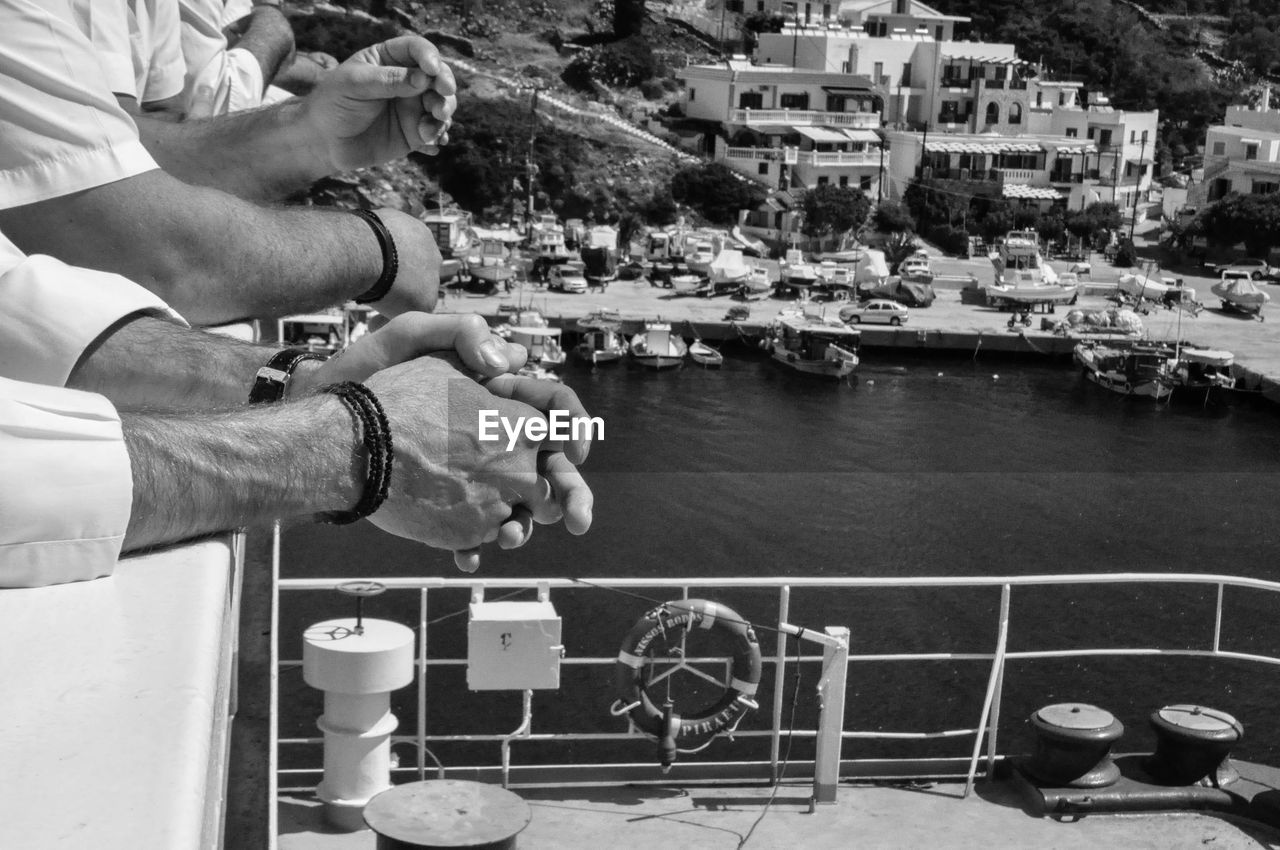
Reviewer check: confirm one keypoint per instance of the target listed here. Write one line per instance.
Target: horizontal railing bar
(437, 583)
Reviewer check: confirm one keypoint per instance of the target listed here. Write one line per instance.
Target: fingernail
(490, 354)
(417, 79)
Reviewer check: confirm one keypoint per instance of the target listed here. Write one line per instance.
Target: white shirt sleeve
(61, 130)
(158, 62)
(219, 80)
(54, 311)
(66, 485)
(105, 24)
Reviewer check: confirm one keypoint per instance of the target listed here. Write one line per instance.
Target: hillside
(585, 166)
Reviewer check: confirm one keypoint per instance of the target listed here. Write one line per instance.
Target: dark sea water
(926, 467)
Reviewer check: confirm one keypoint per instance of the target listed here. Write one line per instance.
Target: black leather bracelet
(273, 379)
(390, 259)
(375, 434)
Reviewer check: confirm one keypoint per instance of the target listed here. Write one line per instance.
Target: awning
(1019, 147)
(847, 90)
(986, 60)
(965, 147)
(862, 136)
(1078, 149)
(1035, 193)
(821, 134)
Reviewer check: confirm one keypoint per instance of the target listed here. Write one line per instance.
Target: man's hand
(413, 335)
(449, 488)
(383, 102)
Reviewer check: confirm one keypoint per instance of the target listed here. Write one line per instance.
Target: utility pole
(1133, 218)
(880, 183)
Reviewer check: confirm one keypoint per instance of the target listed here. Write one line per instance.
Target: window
(822, 181)
(877, 72)
(1039, 98)
(844, 180)
(1261, 187)
(902, 7)
(762, 168)
(1015, 113)
(1104, 138)
(1219, 148)
(693, 95)
(864, 182)
(1133, 136)
(937, 33)
(1128, 169)
(750, 100)
(1073, 132)
(993, 113)
(795, 101)
(1062, 98)
(1091, 132)
(906, 74)
(759, 5)
(1251, 151)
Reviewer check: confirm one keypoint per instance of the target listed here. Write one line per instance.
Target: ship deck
(755, 817)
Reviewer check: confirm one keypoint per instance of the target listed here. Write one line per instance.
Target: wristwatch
(272, 380)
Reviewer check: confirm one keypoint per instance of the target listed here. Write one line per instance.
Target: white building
(1241, 155)
(787, 126)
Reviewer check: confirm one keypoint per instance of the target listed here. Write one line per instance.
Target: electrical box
(513, 646)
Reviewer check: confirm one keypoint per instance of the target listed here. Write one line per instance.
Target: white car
(565, 278)
(877, 310)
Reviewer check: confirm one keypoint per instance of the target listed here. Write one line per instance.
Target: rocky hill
(592, 86)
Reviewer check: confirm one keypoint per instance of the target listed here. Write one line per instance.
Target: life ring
(661, 723)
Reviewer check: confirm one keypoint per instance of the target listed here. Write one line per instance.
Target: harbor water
(930, 467)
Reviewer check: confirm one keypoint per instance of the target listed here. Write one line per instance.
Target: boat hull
(657, 361)
(841, 368)
(1114, 370)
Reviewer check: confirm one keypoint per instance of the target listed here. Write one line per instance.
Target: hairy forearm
(212, 257)
(247, 467)
(269, 39)
(259, 154)
(146, 362)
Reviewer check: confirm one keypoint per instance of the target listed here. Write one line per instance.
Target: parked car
(877, 310)
(565, 278)
(1257, 269)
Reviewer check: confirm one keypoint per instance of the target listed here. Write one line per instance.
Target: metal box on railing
(513, 646)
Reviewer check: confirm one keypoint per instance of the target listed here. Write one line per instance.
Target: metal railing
(805, 117)
(982, 728)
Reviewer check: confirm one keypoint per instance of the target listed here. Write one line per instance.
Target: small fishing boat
(813, 344)
(657, 347)
(1203, 370)
(1140, 369)
(705, 355)
(541, 373)
(542, 343)
(688, 283)
(796, 275)
(1240, 294)
(757, 286)
(699, 255)
(602, 340)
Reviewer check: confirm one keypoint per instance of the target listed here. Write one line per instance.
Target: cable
(786, 755)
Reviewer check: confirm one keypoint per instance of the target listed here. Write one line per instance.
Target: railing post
(831, 691)
(993, 685)
(780, 678)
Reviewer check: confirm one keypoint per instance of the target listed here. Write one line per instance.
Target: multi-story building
(1242, 154)
(787, 126)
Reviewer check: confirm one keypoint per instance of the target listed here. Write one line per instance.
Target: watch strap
(272, 380)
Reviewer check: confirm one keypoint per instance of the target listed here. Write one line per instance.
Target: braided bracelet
(390, 258)
(376, 437)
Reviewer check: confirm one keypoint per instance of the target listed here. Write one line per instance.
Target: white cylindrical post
(357, 669)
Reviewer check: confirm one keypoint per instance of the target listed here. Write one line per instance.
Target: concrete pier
(948, 324)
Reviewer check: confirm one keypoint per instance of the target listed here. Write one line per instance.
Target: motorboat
(542, 343)
(797, 275)
(1141, 369)
(451, 230)
(758, 285)
(699, 254)
(522, 317)
(1023, 281)
(657, 347)
(728, 273)
(813, 344)
(916, 269)
(602, 340)
(1167, 292)
(687, 283)
(1240, 294)
(1205, 369)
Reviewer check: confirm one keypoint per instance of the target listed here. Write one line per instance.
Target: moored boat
(1141, 369)
(705, 355)
(657, 347)
(542, 343)
(1202, 371)
(813, 344)
(602, 340)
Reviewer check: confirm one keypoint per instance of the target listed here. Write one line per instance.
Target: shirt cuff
(55, 312)
(67, 520)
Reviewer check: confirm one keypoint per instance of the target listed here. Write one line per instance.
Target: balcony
(1057, 179)
(1018, 175)
(829, 159)
(754, 154)
(993, 84)
(805, 118)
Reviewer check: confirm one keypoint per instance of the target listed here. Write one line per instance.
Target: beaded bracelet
(390, 258)
(376, 437)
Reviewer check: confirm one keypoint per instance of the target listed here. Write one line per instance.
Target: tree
(1093, 221)
(1251, 219)
(897, 247)
(716, 191)
(892, 217)
(831, 211)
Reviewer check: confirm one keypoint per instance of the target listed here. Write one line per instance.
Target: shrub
(891, 216)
